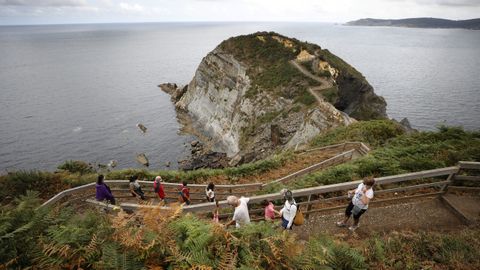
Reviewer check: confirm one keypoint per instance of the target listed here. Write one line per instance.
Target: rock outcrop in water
(258, 93)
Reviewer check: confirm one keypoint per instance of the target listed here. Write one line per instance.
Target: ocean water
(78, 91)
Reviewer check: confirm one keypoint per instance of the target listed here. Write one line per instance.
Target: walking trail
(426, 214)
(324, 83)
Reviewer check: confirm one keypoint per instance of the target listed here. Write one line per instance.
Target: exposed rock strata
(246, 119)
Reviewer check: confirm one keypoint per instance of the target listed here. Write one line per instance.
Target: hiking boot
(340, 224)
(353, 228)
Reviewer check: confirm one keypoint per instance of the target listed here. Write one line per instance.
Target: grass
(394, 152)
(48, 184)
(375, 133)
(331, 94)
(76, 166)
(306, 98)
(269, 59)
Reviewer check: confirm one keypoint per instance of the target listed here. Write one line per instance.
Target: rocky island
(256, 94)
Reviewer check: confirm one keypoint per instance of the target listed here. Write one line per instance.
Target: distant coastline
(473, 24)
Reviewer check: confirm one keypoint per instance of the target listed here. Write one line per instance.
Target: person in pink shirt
(269, 210)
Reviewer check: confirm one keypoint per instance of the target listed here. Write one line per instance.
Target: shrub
(330, 94)
(375, 133)
(17, 183)
(76, 166)
(306, 98)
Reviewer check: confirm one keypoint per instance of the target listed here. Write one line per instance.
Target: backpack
(298, 219)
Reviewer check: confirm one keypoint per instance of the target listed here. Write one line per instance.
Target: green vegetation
(339, 64)
(17, 183)
(76, 166)
(268, 57)
(306, 98)
(459, 250)
(375, 133)
(48, 184)
(395, 152)
(331, 94)
(63, 238)
(308, 65)
(166, 239)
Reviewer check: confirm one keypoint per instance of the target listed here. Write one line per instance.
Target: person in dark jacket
(103, 192)
(135, 188)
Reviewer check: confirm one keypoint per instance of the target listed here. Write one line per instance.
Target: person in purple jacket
(103, 191)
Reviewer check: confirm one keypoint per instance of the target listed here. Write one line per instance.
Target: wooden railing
(468, 178)
(197, 191)
(321, 194)
(430, 183)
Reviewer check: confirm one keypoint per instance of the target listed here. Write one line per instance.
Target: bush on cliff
(394, 152)
(17, 183)
(374, 133)
(76, 166)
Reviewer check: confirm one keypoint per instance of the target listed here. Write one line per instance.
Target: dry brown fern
(228, 260)
(201, 267)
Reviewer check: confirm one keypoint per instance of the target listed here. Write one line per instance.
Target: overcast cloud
(93, 11)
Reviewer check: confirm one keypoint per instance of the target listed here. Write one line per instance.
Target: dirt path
(468, 204)
(420, 214)
(324, 82)
(297, 163)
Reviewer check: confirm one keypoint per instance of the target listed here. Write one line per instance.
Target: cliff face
(248, 100)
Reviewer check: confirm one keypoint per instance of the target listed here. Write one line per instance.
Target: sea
(77, 92)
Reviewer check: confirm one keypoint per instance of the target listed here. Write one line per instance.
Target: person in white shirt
(240, 216)
(359, 204)
(288, 211)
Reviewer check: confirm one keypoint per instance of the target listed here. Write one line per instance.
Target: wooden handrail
(331, 188)
(312, 168)
(255, 186)
(469, 165)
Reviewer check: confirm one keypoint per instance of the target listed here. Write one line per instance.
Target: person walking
(241, 216)
(269, 210)
(103, 192)
(185, 193)
(359, 203)
(135, 187)
(215, 213)
(158, 188)
(288, 211)
(209, 192)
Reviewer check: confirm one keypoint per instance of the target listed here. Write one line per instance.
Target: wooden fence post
(449, 179)
(309, 206)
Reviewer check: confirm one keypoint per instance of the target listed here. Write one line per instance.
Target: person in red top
(158, 187)
(185, 193)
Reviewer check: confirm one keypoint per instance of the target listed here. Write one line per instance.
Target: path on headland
(325, 84)
(315, 90)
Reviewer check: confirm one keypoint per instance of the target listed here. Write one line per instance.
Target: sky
(13, 12)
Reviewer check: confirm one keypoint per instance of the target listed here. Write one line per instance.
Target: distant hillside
(473, 24)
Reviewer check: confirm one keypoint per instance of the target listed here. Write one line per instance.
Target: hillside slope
(249, 100)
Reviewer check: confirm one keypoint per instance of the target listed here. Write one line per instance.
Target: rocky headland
(257, 94)
(473, 24)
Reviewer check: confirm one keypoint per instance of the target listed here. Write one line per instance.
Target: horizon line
(146, 22)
